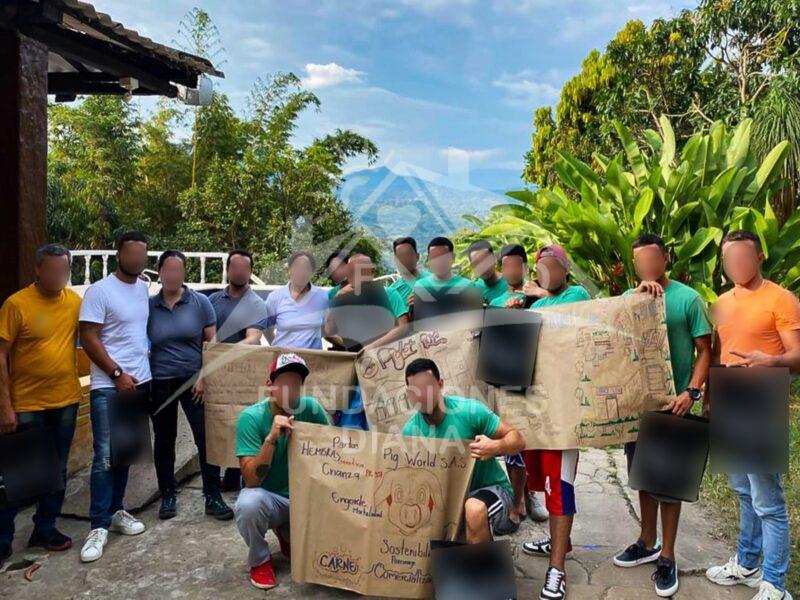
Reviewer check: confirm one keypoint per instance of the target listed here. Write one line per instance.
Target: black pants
(165, 432)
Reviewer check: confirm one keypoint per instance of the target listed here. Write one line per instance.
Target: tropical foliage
(691, 196)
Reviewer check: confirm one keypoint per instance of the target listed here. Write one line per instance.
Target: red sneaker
(262, 576)
(286, 548)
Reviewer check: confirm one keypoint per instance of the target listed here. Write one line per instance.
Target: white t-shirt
(122, 308)
(297, 324)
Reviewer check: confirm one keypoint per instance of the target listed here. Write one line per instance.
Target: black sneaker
(555, 585)
(5, 552)
(542, 547)
(52, 541)
(216, 507)
(507, 528)
(169, 506)
(666, 577)
(637, 554)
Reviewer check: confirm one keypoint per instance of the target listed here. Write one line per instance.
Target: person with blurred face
(441, 277)
(443, 416)
(296, 311)
(757, 325)
(514, 268)
(688, 332)
(335, 269)
(39, 384)
(241, 314)
(483, 262)
(113, 332)
(553, 471)
(406, 258)
(262, 433)
(180, 321)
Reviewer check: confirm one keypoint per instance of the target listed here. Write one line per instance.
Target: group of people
(136, 342)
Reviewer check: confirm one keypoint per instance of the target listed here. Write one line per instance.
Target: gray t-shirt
(236, 315)
(122, 309)
(176, 334)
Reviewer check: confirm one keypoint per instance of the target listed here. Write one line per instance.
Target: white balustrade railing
(88, 255)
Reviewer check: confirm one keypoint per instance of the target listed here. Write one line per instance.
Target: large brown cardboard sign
(381, 374)
(600, 364)
(364, 507)
(235, 375)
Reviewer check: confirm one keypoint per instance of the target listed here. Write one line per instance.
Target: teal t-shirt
(396, 302)
(433, 283)
(500, 301)
(405, 287)
(464, 419)
(687, 319)
(574, 293)
(252, 428)
(490, 292)
(334, 290)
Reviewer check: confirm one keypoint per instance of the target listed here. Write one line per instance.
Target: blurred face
(550, 273)
(53, 273)
(482, 263)
(172, 274)
(337, 270)
(360, 269)
(424, 391)
(286, 389)
(300, 271)
(406, 258)
(513, 269)
(132, 258)
(440, 260)
(650, 262)
(239, 271)
(741, 261)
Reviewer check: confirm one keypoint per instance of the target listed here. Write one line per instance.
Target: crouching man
(443, 416)
(262, 433)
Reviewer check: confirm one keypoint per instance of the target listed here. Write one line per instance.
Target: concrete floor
(193, 556)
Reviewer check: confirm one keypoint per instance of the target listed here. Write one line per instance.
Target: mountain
(392, 205)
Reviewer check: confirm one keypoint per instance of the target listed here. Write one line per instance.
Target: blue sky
(442, 86)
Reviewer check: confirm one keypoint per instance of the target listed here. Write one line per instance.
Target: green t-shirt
(499, 288)
(434, 284)
(398, 305)
(464, 419)
(574, 293)
(334, 290)
(500, 301)
(406, 287)
(686, 319)
(253, 427)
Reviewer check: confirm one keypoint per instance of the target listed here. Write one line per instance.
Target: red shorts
(553, 472)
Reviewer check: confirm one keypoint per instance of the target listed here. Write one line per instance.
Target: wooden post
(23, 158)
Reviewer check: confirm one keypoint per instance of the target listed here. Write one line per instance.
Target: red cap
(556, 252)
(288, 362)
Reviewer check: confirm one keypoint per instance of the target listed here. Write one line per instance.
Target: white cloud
(320, 76)
(453, 153)
(528, 89)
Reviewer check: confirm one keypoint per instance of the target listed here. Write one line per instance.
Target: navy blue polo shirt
(236, 315)
(176, 335)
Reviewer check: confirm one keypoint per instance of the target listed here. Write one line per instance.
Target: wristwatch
(115, 374)
(694, 393)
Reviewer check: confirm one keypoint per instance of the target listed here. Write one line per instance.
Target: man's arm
(682, 404)
(255, 468)
(8, 418)
(90, 341)
(506, 441)
(252, 336)
(790, 358)
(394, 334)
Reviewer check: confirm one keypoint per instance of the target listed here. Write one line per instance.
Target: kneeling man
(261, 444)
(451, 417)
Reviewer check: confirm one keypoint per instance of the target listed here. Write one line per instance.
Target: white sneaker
(125, 523)
(536, 510)
(732, 573)
(93, 546)
(767, 591)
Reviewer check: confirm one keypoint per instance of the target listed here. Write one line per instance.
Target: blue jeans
(61, 422)
(763, 525)
(106, 483)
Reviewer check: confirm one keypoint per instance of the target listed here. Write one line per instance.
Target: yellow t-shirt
(43, 334)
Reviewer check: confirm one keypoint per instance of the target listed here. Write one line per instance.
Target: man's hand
(8, 418)
(515, 302)
(483, 448)
(126, 383)
(681, 405)
(756, 358)
(411, 300)
(197, 391)
(345, 289)
(706, 410)
(534, 290)
(649, 287)
(280, 424)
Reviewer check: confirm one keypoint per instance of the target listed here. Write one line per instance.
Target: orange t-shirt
(748, 321)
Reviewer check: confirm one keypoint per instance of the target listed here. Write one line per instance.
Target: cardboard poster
(235, 375)
(381, 374)
(600, 364)
(364, 507)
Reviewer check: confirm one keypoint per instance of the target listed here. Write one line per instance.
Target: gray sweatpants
(257, 511)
